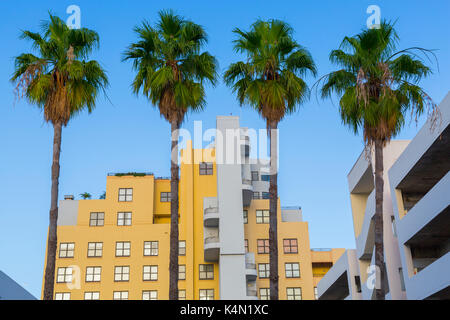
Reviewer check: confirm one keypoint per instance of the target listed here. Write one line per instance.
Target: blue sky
(316, 150)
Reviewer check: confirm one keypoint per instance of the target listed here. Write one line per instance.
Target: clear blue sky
(316, 151)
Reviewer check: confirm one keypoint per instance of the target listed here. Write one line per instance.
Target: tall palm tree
(270, 81)
(171, 72)
(62, 84)
(378, 86)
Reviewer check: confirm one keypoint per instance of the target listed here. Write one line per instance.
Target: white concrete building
(416, 221)
(420, 181)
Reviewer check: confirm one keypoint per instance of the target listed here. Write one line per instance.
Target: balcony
(212, 248)
(247, 192)
(211, 217)
(250, 267)
(366, 240)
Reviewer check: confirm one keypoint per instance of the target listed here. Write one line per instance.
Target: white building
(416, 220)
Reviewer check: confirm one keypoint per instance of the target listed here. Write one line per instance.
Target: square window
(120, 295)
(265, 177)
(150, 273)
(263, 270)
(256, 195)
(150, 248)
(66, 250)
(255, 176)
(290, 246)
(123, 249)
(292, 270)
(262, 216)
(95, 249)
(182, 272)
(245, 216)
(93, 274)
(62, 296)
(165, 197)
(97, 219)
(122, 273)
(206, 272)
(263, 246)
(92, 295)
(266, 195)
(294, 293)
(206, 294)
(124, 219)
(264, 294)
(246, 245)
(206, 168)
(182, 294)
(182, 248)
(125, 194)
(150, 295)
(64, 275)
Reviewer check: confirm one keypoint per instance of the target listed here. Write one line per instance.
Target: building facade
(416, 220)
(118, 247)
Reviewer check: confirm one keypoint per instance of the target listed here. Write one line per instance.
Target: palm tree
(171, 73)
(377, 86)
(62, 84)
(270, 81)
(85, 195)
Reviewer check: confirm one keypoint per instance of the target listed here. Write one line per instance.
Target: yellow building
(118, 247)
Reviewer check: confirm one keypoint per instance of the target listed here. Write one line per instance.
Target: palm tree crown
(270, 80)
(170, 68)
(59, 80)
(377, 84)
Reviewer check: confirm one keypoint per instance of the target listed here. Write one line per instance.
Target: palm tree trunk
(52, 231)
(379, 248)
(273, 221)
(174, 246)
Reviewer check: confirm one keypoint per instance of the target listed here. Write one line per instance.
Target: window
(62, 296)
(262, 216)
(358, 284)
(97, 219)
(206, 168)
(245, 216)
(265, 177)
(264, 294)
(182, 248)
(93, 274)
(316, 293)
(255, 195)
(255, 176)
(66, 250)
(266, 195)
(123, 249)
(121, 273)
(124, 219)
(64, 275)
(150, 295)
(394, 228)
(125, 195)
(92, 295)
(182, 272)
(165, 197)
(290, 246)
(95, 249)
(246, 245)
(263, 246)
(294, 293)
(206, 272)
(182, 294)
(263, 270)
(150, 248)
(292, 270)
(120, 295)
(206, 294)
(150, 273)
(402, 280)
